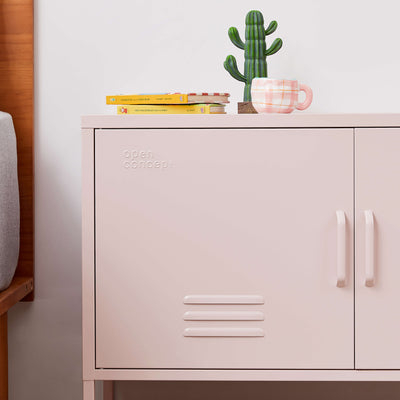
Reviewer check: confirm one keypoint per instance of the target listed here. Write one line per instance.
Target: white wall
(347, 51)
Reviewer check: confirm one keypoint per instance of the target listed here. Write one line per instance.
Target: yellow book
(172, 109)
(168, 98)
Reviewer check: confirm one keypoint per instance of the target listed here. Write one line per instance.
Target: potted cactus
(255, 53)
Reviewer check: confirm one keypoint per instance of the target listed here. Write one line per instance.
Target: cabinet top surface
(295, 120)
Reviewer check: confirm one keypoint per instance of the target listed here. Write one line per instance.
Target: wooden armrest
(19, 288)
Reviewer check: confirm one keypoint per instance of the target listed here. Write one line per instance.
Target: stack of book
(170, 103)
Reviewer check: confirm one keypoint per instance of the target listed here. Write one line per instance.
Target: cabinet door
(377, 248)
(220, 248)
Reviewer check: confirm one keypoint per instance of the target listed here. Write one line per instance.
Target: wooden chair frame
(16, 98)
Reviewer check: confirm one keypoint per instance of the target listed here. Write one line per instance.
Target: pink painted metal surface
(234, 121)
(377, 248)
(88, 341)
(246, 375)
(88, 390)
(223, 212)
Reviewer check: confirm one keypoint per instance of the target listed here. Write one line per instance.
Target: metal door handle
(341, 249)
(369, 248)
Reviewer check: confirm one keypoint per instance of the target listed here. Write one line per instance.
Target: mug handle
(309, 97)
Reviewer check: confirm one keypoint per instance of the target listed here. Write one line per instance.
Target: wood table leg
(88, 390)
(108, 390)
(3, 357)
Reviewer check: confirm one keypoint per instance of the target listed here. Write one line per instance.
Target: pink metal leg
(88, 390)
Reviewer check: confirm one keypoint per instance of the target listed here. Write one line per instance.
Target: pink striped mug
(278, 95)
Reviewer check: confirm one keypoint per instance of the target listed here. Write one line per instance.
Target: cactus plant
(255, 50)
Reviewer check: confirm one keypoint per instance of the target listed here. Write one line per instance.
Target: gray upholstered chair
(9, 201)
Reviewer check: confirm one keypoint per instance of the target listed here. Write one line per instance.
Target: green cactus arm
(231, 66)
(274, 47)
(271, 28)
(235, 37)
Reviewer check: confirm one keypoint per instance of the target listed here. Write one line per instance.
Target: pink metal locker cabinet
(221, 248)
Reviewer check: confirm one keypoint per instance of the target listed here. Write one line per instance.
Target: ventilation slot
(223, 332)
(243, 318)
(223, 299)
(223, 316)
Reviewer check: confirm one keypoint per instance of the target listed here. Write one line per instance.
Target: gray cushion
(9, 201)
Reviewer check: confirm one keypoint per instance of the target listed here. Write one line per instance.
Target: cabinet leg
(3, 357)
(88, 390)
(108, 390)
